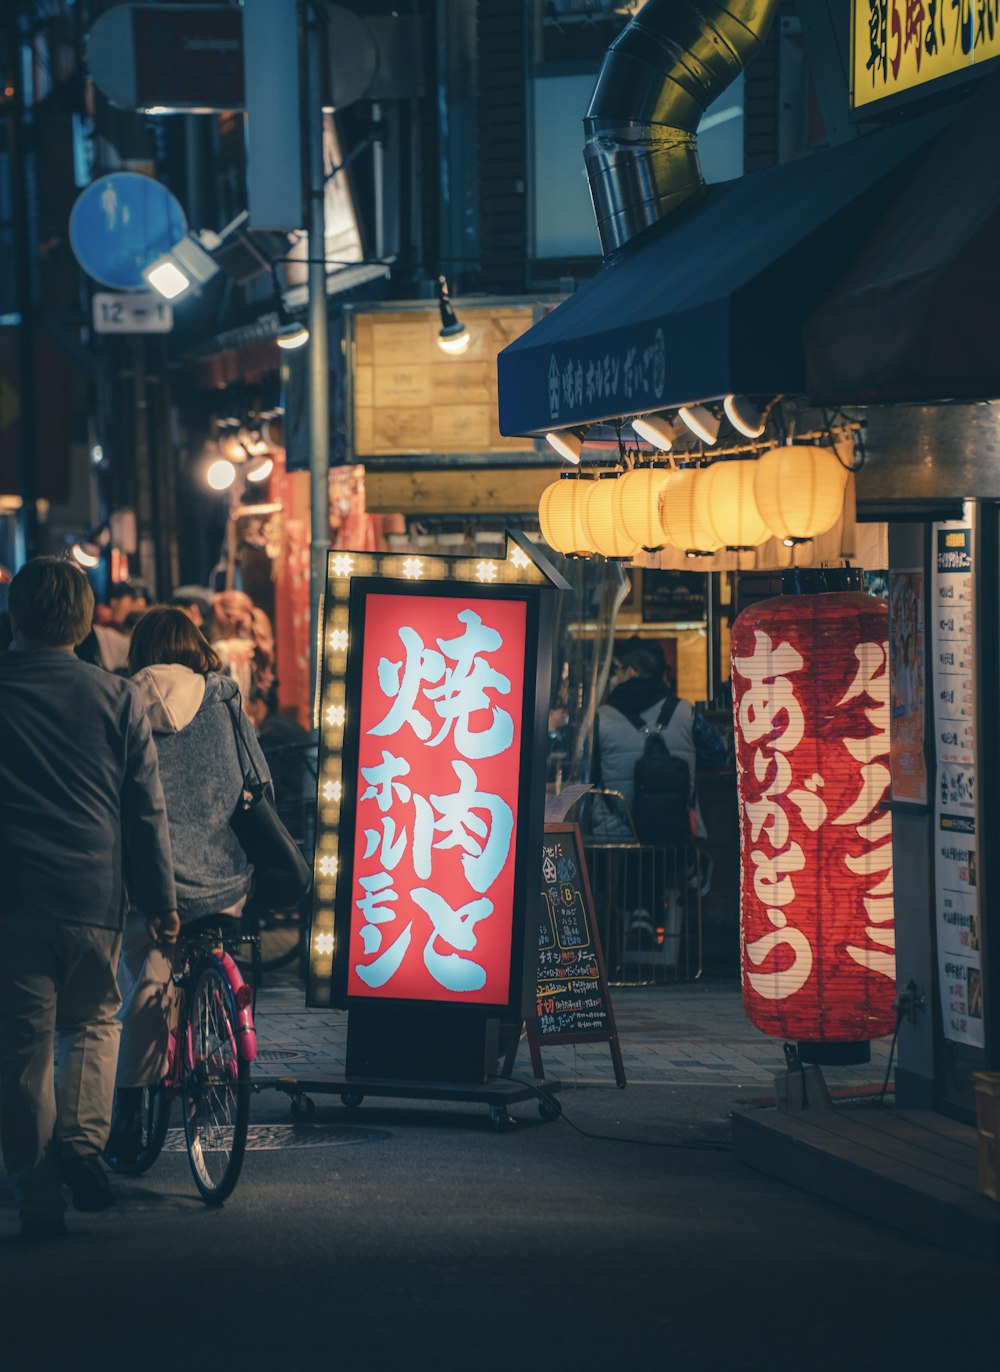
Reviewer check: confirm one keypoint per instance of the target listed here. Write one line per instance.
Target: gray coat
(202, 779)
(77, 770)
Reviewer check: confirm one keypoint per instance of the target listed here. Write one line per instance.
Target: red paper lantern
(811, 705)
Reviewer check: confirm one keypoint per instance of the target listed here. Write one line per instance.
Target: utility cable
(555, 1107)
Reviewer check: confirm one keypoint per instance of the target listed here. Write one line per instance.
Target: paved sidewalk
(688, 1034)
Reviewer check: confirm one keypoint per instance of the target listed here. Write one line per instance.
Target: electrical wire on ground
(557, 1112)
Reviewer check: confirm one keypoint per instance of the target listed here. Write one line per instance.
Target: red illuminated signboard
(437, 786)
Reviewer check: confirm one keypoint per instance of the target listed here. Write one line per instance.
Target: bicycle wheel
(281, 934)
(154, 1120)
(216, 1089)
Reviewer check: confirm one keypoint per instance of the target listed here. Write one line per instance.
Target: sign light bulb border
(522, 565)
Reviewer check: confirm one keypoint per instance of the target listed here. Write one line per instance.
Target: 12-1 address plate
(135, 312)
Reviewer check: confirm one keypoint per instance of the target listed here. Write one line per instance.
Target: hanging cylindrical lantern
(640, 494)
(726, 504)
(679, 513)
(560, 515)
(810, 685)
(602, 517)
(800, 491)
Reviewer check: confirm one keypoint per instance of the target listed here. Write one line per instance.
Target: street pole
(319, 342)
(25, 287)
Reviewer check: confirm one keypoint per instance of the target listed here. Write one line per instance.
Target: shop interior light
(743, 416)
(184, 269)
(567, 443)
(701, 421)
(453, 336)
(656, 429)
(220, 474)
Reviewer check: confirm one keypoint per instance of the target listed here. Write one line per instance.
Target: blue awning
(711, 300)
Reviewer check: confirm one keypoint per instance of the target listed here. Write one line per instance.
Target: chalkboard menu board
(573, 1004)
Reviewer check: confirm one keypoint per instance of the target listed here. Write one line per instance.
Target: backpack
(662, 807)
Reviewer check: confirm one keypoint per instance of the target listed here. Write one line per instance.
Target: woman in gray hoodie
(194, 713)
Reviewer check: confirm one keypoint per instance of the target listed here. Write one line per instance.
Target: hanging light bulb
(603, 519)
(743, 416)
(679, 513)
(701, 421)
(800, 491)
(561, 517)
(655, 429)
(727, 504)
(640, 492)
(453, 336)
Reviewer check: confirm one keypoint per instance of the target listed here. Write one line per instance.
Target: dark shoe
(89, 1184)
(124, 1141)
(41, 1230)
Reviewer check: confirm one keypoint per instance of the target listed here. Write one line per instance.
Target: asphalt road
(408, 1236)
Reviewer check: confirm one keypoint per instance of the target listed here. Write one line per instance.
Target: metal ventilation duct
(659, 76)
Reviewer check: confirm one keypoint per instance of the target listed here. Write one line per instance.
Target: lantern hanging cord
(853, 427)
(553, 1105)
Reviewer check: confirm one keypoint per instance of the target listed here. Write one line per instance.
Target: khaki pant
(149, 1002)
(57, 989)
(149, 1005)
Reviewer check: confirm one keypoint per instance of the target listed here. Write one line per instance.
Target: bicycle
(212, 1046)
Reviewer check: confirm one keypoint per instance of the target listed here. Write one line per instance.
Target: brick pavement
(686, 1034)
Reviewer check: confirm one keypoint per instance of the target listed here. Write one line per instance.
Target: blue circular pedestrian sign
(120, 224)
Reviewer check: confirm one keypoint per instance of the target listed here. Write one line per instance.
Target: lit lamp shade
(560, 515)
(640, 492)
(811, 710)
(679, 514)
(603, 518)
(726, 504)
(800, 491)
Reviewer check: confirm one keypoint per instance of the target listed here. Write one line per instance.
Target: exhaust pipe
(659, 76)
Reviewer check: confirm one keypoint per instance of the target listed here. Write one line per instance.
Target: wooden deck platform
(914, 1170)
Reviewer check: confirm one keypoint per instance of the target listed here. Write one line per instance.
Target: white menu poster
(952, 639)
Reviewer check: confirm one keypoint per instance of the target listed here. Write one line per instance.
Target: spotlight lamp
(701, 421)
(567, 443)
(656, 429)
(181, 271)
(85, 555)
(220, 474)
(260, 468)
(291, 336)
(453, 336)
(744, 417)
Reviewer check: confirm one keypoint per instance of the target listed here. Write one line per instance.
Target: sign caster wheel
(549, 1109)
(500, 1119)
(352, 1099)
(302, 1107)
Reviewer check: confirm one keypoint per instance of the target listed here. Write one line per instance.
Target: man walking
(78, 770)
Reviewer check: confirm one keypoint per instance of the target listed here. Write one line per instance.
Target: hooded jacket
(202, 777)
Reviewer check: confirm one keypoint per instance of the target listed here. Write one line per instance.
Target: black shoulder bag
(281, 873)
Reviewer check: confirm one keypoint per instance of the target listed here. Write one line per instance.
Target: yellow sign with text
(899, 45)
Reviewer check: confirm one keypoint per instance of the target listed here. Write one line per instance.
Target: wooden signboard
(409, 397)
(573, 1004)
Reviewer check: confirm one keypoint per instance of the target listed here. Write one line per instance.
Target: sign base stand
(497, 1093)
(423, 1053)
